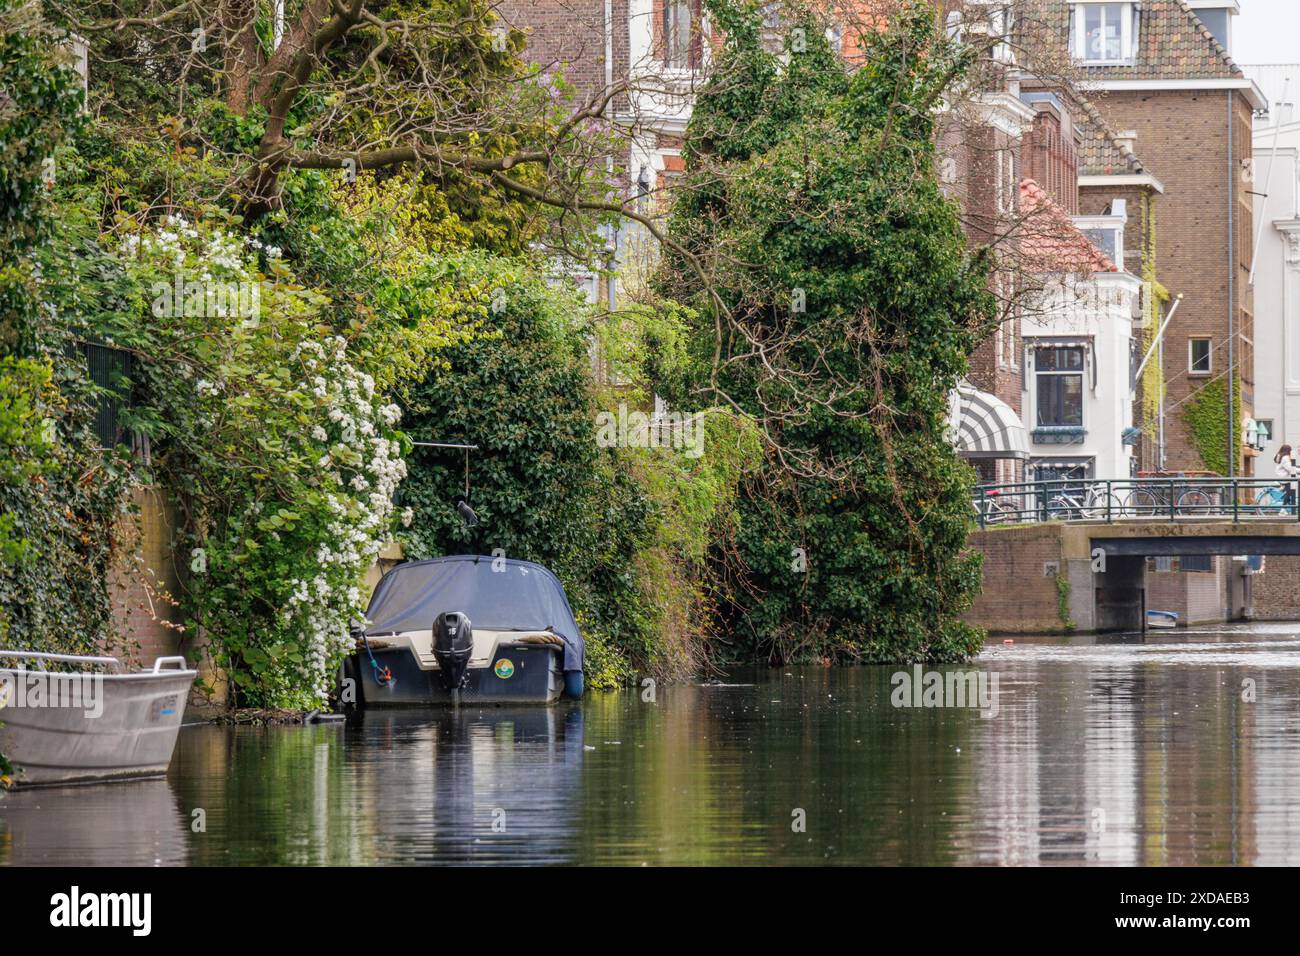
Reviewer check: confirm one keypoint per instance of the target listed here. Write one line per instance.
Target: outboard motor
(453, 642)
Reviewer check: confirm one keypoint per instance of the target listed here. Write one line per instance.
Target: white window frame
(1082, 372)
(997, 22)
(1200, 373)
(1128, 29)
(672, 32)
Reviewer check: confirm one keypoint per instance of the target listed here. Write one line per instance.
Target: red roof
(1049, 239)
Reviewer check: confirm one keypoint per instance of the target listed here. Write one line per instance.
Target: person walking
(1288, 471)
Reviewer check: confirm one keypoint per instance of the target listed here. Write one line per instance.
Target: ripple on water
(1174, 748)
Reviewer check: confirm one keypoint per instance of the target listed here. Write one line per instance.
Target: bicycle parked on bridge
(1149, 496)
(992, 507)
(1153, 501)
(1094, 501)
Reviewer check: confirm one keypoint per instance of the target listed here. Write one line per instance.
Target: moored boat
(93, 723)
(1162, 619)
(466, 629)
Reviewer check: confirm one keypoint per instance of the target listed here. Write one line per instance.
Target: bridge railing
(1172, 498)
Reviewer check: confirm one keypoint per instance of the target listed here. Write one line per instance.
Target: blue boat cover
(498, 594)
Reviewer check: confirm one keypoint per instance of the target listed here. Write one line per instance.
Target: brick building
(1156, 81)
(1163, 77)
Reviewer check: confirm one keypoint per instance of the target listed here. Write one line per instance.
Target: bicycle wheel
(1008, 511)
(1194, 502)
(1061, 508)
(1270, 501)
(1141, 504)
(1104, 506)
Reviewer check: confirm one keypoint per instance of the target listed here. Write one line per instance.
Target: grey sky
(1267, 31)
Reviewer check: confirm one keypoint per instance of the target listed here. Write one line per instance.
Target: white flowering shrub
(286, 455)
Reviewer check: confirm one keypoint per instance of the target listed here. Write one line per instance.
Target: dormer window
(1217, 17)
(1104, 33)
(1106, 231)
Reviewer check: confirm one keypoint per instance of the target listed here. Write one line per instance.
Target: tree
(345, 86)
(844, 302)
(543, 490)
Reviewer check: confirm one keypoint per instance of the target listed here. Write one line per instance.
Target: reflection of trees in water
(271, 795)
(712, 774)
(1184, 770)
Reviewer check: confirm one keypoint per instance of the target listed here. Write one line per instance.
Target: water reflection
(125, 823)
(1172, 749)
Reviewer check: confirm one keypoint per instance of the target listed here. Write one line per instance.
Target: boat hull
(131, 737)
(516, 674)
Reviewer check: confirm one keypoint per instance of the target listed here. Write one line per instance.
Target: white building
(1078, 339)
(1277, 262)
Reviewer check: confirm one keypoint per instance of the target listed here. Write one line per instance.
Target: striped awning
(984, 426)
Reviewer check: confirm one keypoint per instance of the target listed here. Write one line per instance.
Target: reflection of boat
(87, 725)
(138, 823)
(472, 785)
(467, 629)
(1162, 619)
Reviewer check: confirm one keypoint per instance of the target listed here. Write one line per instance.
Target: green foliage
(271, 433)
(823, 181)
(61, 499)
(62, 502)
(1206, 415)
(542, 488)
(1063, 602)
(270, 426)
(1153, 308)
(694, 489)
(25, 443)
(39, 106)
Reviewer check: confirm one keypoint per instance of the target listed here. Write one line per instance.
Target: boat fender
(573, 684)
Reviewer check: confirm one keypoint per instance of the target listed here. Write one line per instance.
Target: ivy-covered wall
(1206, 415)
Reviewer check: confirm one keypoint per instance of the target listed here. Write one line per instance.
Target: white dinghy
(91, 722)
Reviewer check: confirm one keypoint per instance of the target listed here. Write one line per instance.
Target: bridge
(1173, 498)
(1093, 537)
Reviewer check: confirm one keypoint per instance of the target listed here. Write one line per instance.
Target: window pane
(1107, 240)
(1200, 355)
(1062, 472)
(1111, 31)
(1103, 30)
(677, 32)
(1216, 21)
(1060, 400)
(1071, 399)
(1058, 360)
(1092, 31)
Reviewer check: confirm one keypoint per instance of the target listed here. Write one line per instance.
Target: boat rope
(383, 675)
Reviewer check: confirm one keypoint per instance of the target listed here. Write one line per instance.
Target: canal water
(1177, 748)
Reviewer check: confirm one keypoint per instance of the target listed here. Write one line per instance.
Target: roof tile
(1049, 239)
(1172, 44)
